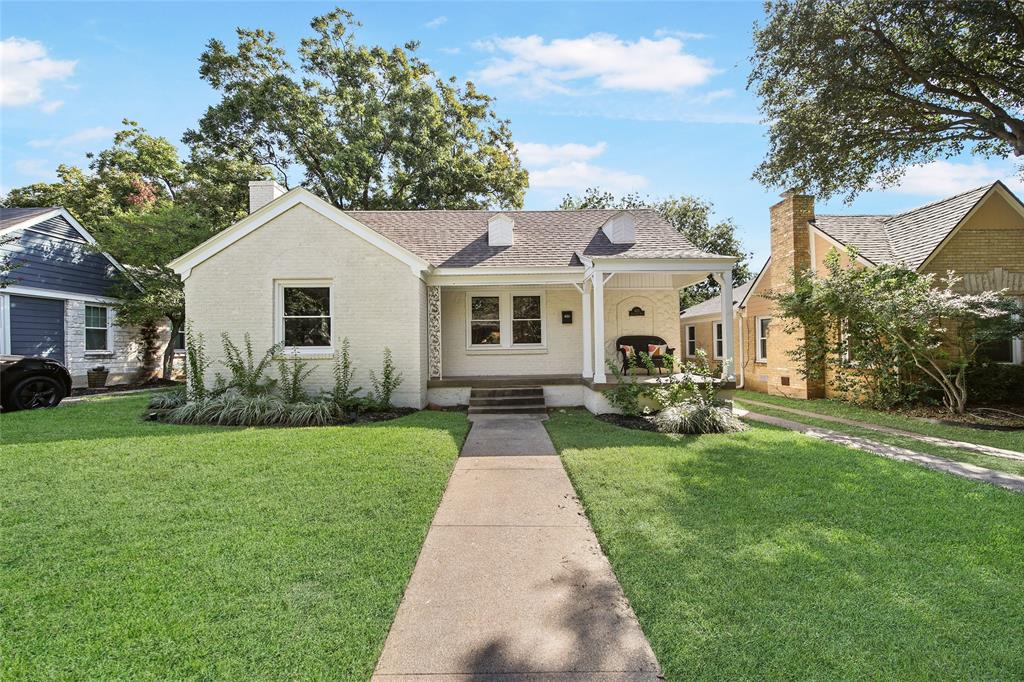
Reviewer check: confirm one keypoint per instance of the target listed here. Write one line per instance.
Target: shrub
(996, 383)
(344, 394)
(388, 383)
(698, 417)
(246, 371)
(168, 399)
(628, 392)
(236, 409)
(293, 370)
(196, 363)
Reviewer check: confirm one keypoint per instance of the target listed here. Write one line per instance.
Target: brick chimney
(791, 236)
(262, 192)
(791, 250)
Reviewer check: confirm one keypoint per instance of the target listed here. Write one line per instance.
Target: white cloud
(537, 65)
(451, 50)
(579, 175)
(34, 169)
(25, 65)
(714, 96)
(539, 154)
(682, 35)
(566, 167)
(944, 178)
(51, 106)
(436, 22)
(76, 138)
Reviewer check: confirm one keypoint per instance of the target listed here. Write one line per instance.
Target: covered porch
(583, 313)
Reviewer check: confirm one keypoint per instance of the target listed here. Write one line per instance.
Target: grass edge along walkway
(924, 438)
(963, 469)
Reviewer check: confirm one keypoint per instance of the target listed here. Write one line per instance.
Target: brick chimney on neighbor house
(791, 236)
(791, 250)
(262, 192)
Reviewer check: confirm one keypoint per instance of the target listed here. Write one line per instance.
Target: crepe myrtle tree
(874, 326)
(855, 91)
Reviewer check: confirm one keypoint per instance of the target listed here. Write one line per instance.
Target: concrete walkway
(948, 466)
(511, 583)
(934, 440)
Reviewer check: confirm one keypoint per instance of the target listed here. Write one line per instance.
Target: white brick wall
(122, 360)
(378, 300)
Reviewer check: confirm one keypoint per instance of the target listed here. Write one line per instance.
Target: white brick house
(462, 298)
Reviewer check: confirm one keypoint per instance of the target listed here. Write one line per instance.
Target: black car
(26, 383)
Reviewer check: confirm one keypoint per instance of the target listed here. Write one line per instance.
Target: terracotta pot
(97, 379)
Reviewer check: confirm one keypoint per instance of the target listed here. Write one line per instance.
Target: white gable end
(620, 228)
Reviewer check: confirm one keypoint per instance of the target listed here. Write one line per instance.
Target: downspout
(739, 354)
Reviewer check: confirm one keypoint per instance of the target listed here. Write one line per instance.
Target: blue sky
(626, 96)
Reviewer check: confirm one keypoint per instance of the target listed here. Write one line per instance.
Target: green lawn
(1010, 466)
(1010, 440)
(770, 555)
(134, 550)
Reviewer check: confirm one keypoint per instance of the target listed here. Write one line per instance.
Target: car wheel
(33, 392)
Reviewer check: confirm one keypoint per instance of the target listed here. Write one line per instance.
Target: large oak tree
(856, 90)
(367, 127)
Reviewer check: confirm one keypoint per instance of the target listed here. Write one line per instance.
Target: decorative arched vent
(636, 311)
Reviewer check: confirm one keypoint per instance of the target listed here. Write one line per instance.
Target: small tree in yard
(875, 327)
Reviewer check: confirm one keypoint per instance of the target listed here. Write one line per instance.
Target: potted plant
(98, 376)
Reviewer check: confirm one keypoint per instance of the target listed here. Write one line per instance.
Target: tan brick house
(979, 234)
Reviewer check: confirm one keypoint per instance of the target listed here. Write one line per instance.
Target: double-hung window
(505, 320)
(97, 329)
(179, 340)
(762, 339)
(305, 316)
(691, 341)
(719, 344)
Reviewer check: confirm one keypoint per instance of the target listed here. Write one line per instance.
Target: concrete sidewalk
(511, 583)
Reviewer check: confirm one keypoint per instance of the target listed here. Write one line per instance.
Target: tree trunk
(168, 361)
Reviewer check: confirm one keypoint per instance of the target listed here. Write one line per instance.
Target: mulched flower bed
(158, 415)
(627, 422)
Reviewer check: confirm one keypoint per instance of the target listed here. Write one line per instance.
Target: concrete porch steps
(509, 400)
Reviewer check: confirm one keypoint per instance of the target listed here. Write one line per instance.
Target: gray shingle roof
(458, 239)
(13, 216)
(714, 305)
(908, 237)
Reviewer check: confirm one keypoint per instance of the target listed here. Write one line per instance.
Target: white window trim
(686, 340)
(279, 287)
(717, 332)
(505, 322)
(5, 324)
(109, 329)
(758, 357)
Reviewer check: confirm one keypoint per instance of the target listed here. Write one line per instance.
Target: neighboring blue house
(60, 303)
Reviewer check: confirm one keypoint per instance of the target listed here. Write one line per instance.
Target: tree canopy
(691, 216)
(368, 127)
(857, 90)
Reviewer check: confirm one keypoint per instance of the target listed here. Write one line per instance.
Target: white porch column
(434, 332)
(728, 348)
(588, 333)
(598, 283)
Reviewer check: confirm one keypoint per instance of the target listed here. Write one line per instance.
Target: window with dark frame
(485, 321)
(307, 317)
(718, 340)
(179, 340)
(97, 329)
(691, 341)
